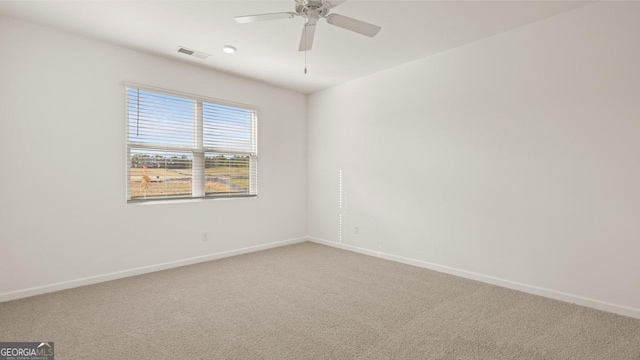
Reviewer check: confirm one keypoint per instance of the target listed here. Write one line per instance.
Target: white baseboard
(553, 294)
(38, 290)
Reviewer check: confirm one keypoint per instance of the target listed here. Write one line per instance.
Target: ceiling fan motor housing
(312, 8)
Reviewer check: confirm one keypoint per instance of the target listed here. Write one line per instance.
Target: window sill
(187, 200)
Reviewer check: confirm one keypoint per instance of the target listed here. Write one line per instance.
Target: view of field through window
(162, 174)
(181, 147)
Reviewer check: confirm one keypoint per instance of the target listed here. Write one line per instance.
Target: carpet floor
(309, 301)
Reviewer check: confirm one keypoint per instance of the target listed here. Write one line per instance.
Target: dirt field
(163, 174)
(165, 182)
(172, 188)
(226, 171)
(177, 173)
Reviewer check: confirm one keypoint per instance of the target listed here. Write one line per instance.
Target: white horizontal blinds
(228, 174)
(229, 140)
(228, 128)
(160, 120)
(183, 146)
(160, 136)
(159, 174)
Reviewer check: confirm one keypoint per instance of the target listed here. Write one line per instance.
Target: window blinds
(183, 146)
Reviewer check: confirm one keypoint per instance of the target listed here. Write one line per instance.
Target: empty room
(320, 179)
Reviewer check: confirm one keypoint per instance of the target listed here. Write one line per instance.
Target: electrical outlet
(205, 236)
(356, 230)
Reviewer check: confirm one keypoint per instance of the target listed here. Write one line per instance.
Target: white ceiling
(268, 51)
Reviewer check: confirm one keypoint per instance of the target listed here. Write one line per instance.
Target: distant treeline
(183, 162)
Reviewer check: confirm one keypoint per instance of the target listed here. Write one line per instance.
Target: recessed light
(229, 49)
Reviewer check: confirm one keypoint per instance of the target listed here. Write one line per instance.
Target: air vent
(194, 53)
(185, 51)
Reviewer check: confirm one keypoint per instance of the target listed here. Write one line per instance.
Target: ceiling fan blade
(332, 3)
(306, 41)
(354, 25)
(261, 17)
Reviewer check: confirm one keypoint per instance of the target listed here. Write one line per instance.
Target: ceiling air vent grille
(190, 52)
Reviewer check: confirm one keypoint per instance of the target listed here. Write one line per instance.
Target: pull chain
(305, 49)
(138, 115)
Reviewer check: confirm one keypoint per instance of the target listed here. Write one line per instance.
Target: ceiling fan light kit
(312, 11)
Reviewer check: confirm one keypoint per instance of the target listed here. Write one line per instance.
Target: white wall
(514, 160)
(63, 208)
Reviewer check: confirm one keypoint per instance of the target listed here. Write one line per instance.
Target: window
(180, 146)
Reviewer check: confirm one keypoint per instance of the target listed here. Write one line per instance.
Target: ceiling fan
(312, 11)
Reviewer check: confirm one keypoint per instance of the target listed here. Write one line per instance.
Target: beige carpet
(309, 301)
